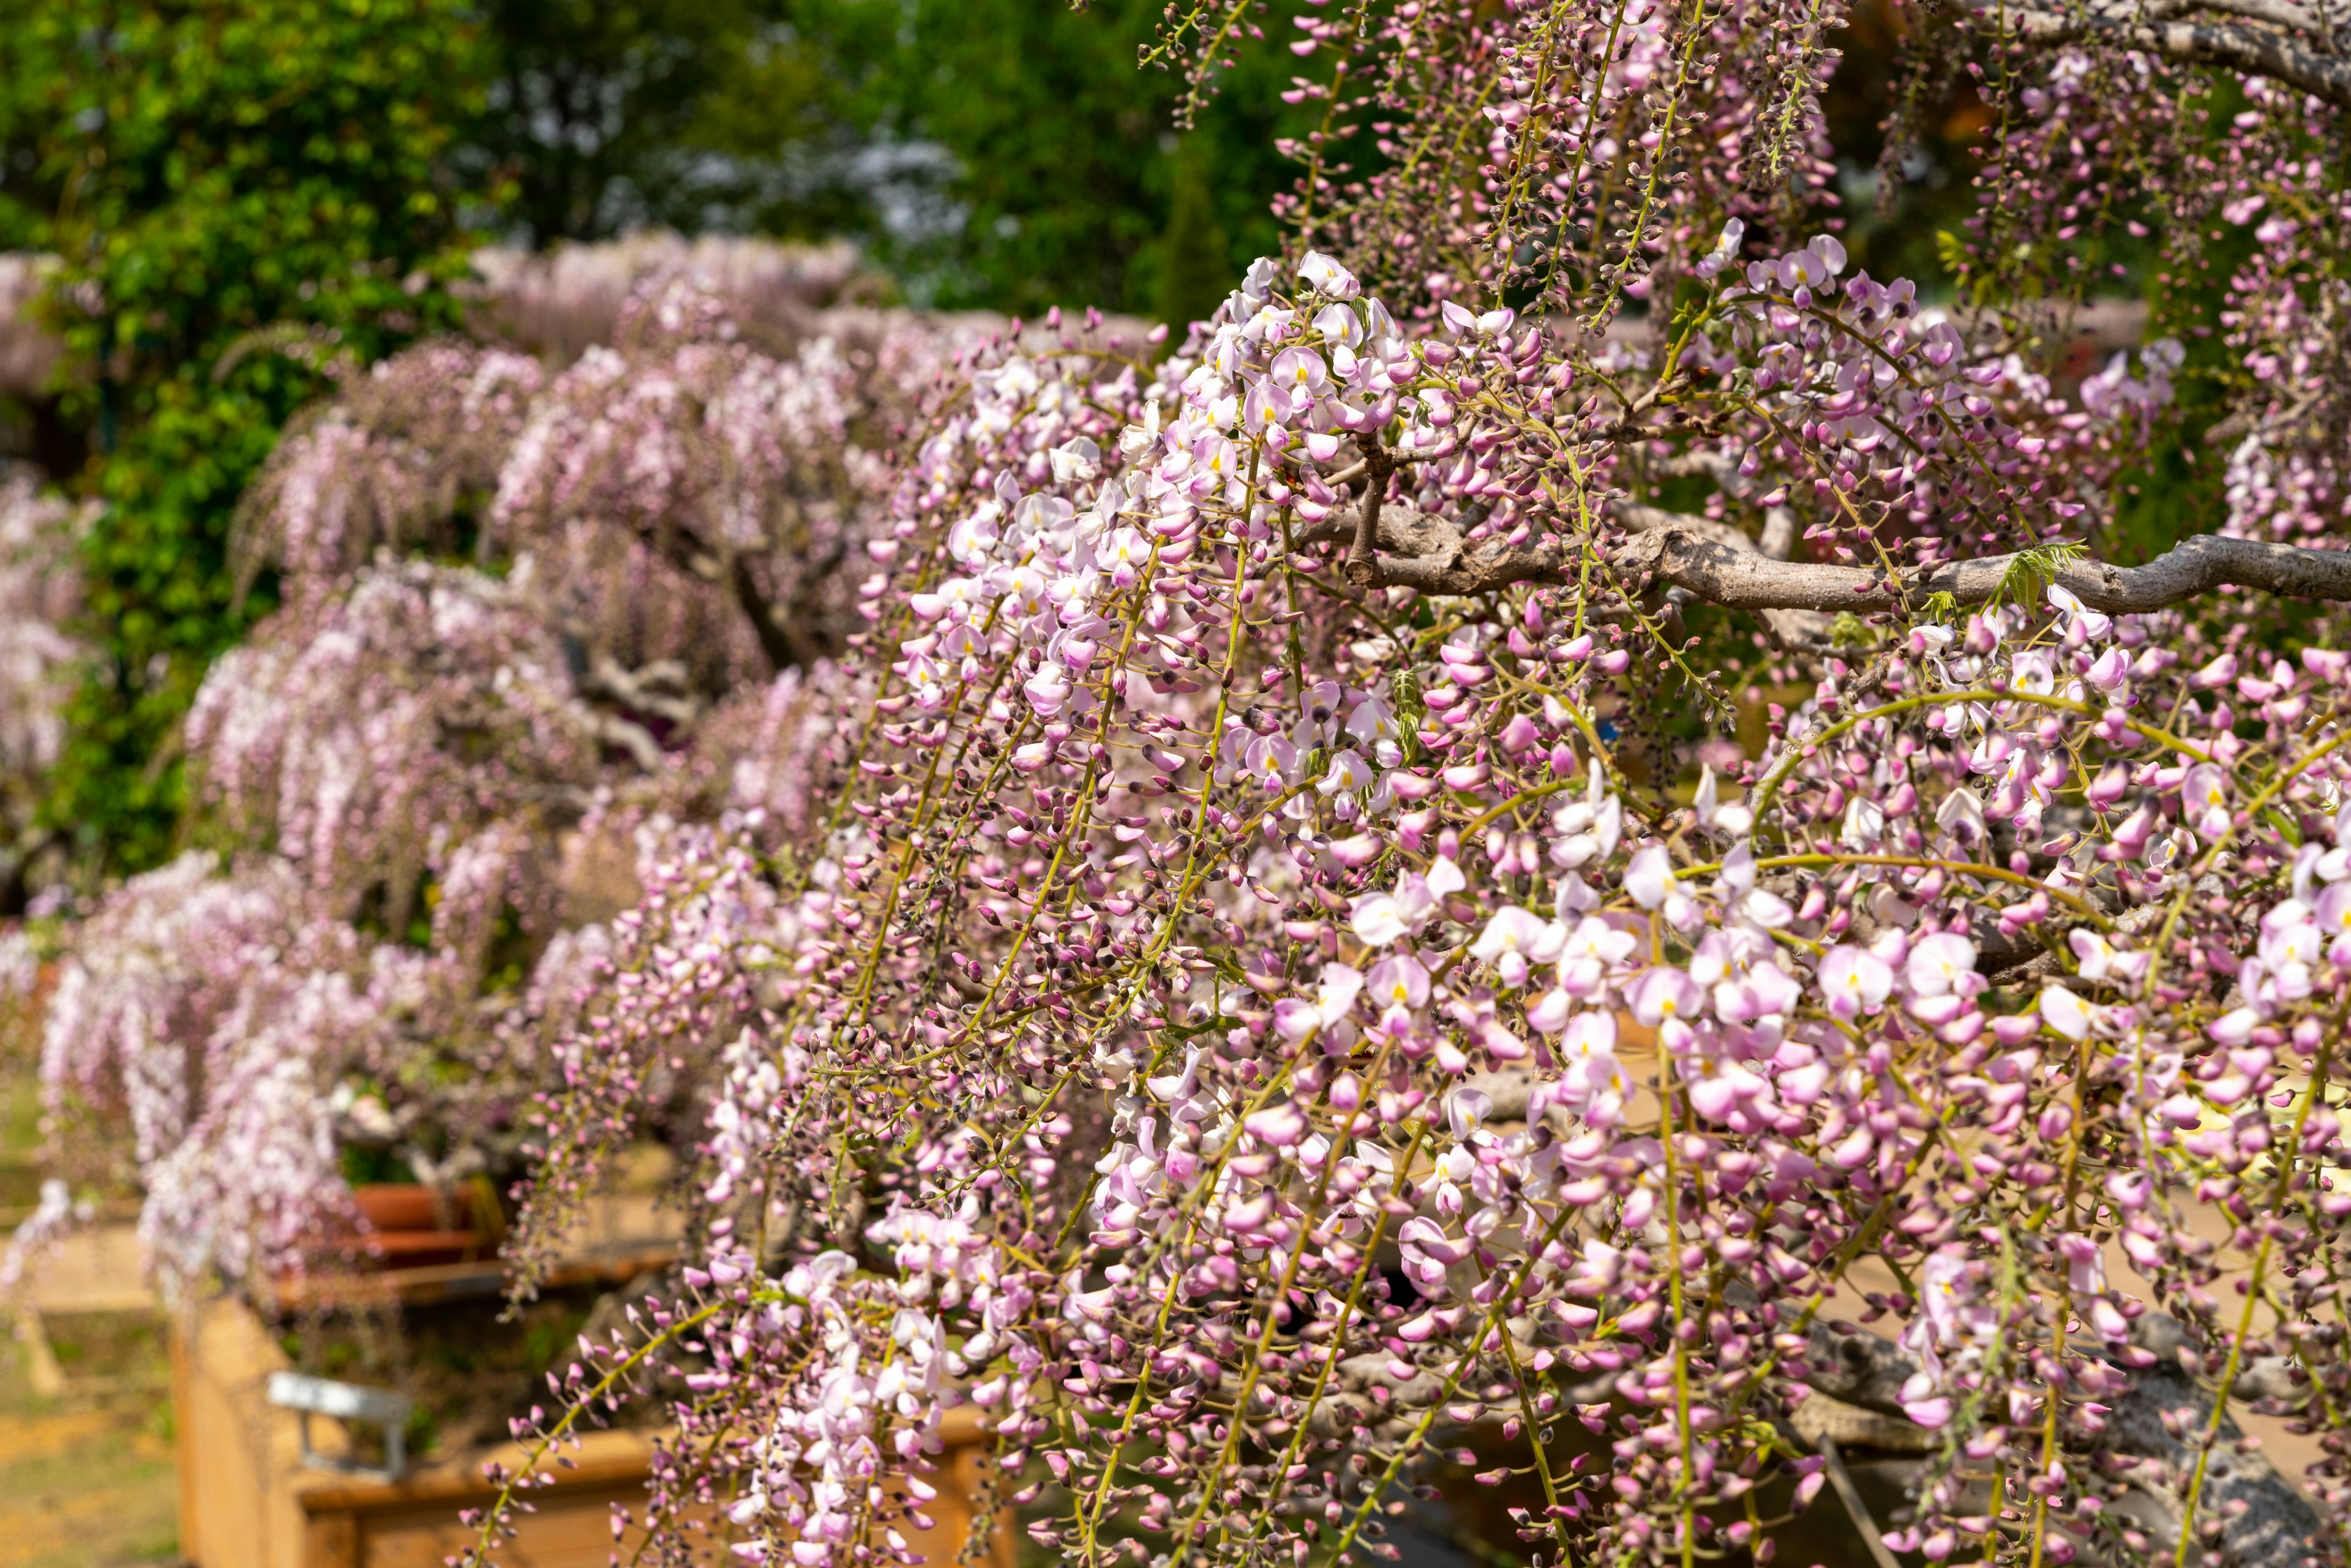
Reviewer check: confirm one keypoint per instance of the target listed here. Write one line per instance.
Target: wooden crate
(246, 1500)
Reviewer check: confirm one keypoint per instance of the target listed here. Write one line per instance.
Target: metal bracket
(347, 1402)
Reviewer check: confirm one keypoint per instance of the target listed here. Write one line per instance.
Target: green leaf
(1951, 251)
(2031, 572)
(222, 178)
(1849, 630)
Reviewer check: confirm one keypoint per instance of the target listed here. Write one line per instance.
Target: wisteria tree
(530, 614)
(1262, 1014)
(1225, 973)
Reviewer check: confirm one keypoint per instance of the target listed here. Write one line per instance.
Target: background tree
(243, 200)
(524, 612)
(600, 119)
(994, 154)
(240, 198)
(1064, 169)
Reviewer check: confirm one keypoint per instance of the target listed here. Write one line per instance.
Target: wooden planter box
(247, 1500)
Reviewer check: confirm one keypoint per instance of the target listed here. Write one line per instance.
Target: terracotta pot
(398, 1206)
(406, 1225)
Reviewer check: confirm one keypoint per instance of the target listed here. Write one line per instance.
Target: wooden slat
(435, 1282)
(41, 1368)
(236, 1453)
(572, 1529)
(600, 1458)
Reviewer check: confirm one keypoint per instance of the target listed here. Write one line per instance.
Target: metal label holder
(347, 1402)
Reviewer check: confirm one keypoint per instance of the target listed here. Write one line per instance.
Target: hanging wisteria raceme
(2241, 238)
(1259, 1023)
(198, 1011)
(424, 706)
(1253, 1032)
(673, 518)
(559, 303)
(687, 496)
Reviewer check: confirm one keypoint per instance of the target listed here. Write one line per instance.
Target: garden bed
(248, 1500)
(91, 1354)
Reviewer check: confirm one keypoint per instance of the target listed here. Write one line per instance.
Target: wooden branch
(1378, 463)
(2278, 13)
(783, 629)
(1431, 553)
(2277, 55)
(2265, 1520)
(1793, 629)
(773, 640)
(1717, 563)
(1737, 581)
(1855, 1510)
(631, 738)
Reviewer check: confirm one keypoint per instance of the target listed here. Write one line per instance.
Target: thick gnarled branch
(2263, 1520)
(1740, 581)
(1432, 554)
(1713, 561)
(2275, 53)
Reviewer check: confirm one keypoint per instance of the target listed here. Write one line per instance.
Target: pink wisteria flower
(1514, 940)
(946, 778)
(1381, 918)
(1855, 980)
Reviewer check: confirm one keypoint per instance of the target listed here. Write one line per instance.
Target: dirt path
(87, 1478)
(86, 1482)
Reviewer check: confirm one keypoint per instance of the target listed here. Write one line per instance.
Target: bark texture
(2248, 1511)
(1715, 562)
(2290, 45)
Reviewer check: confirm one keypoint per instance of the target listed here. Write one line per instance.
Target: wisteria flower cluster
(194, 1013)
(40, 656)
(1251, 1032)
(1223, 969)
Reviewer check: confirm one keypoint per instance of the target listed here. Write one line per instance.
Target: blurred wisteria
(41, 598)
(534, 620)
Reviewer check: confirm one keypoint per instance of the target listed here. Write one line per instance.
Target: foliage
(241, 199)
(1063, 184)
(687, 114)
(995, 153)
